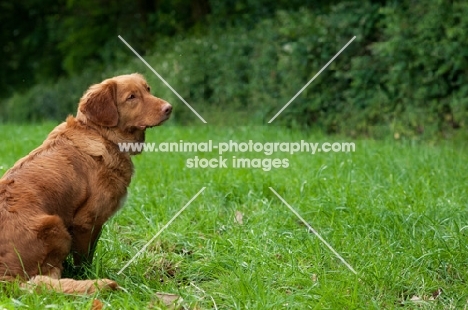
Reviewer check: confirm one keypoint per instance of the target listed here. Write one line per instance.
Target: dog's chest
(109, 186)
(118, 176)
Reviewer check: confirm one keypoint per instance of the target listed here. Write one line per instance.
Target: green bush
(404, 74)
(49, 101)
(422, 62)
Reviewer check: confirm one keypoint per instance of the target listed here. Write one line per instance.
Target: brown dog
(55, 200)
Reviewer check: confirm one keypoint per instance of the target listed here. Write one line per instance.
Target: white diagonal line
(314, 231)
(160, 231)
(302, 89)
(163, 80)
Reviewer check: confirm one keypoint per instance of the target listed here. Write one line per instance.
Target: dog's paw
(106, 285)
(70, 286)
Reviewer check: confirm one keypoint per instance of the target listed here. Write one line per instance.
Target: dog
(55, 201)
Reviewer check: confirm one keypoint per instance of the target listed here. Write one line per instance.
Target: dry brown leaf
(238, 218)
(436, 293)
(97, 305)
(425, 298)
(416, 298)
(167, 298)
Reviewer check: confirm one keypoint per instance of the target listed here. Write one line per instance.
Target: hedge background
(239, 62)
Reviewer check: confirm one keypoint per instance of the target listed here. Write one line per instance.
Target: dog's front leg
(84, 243)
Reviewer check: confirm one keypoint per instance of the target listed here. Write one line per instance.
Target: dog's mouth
(144, 127)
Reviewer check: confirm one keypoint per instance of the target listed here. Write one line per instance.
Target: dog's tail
(70, 286)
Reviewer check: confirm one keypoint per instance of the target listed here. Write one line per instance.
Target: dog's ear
(99, 104)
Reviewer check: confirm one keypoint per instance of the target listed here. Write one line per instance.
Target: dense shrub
(405, 74)
(48, 101)
(423, 65)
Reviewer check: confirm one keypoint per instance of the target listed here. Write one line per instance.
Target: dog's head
(123, 103)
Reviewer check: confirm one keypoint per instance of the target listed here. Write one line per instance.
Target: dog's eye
(131, 97)
(149, 89)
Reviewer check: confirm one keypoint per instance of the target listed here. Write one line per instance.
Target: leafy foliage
(404, 75)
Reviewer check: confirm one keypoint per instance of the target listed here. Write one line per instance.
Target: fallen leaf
(436, 293)
(97, 305)
(167, 298)
(422, 299)
(314, 277)
(238, 218)
(416, 298)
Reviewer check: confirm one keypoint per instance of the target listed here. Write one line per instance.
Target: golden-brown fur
(55, 200)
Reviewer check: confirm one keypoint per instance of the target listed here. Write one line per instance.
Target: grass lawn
(395, 210)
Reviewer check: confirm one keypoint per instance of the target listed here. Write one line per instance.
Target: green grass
(395, 210)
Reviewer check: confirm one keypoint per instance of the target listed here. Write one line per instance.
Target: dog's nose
(167, 109)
